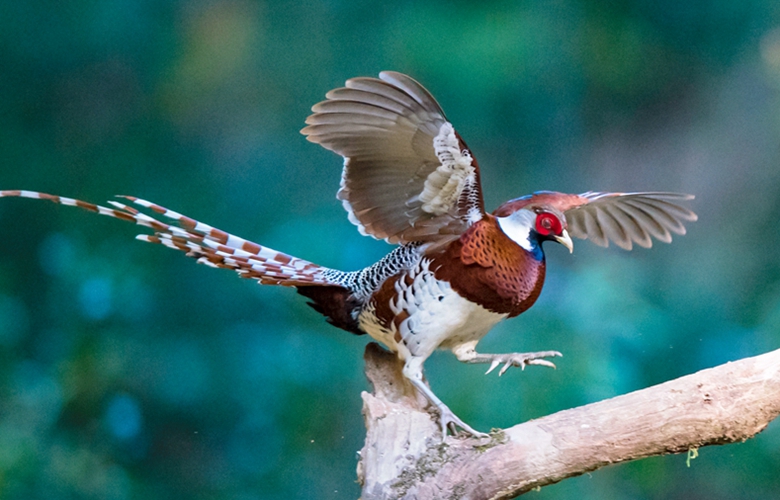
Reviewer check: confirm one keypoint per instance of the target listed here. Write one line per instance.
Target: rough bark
(404, 456)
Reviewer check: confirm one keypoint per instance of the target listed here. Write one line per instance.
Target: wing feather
(593, 229)
(407, 175)
(613, 230)
(626, 218)
(635, 232)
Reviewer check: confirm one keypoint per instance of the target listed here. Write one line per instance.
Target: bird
(455, 270)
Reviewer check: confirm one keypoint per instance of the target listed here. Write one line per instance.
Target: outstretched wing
(623, 218)
(408, 176)
(626, 218)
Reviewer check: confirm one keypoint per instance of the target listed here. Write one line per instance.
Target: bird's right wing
(622, 218)
(627, 218)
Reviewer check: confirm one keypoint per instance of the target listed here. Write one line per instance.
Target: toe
(493, 365)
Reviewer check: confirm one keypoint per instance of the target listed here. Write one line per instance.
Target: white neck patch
(518, 227)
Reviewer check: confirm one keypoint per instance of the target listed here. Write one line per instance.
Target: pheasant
(410, 179)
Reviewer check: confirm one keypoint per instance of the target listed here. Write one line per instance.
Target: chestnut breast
(485, 266)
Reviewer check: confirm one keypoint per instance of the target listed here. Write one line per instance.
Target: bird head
(530, 225)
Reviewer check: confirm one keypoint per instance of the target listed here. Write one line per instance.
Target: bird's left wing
(408, 176)
(623, 218)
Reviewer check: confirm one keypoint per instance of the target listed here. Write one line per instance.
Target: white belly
(437, 317)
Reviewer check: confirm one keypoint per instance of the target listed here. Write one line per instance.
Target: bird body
(486, 266)
(410, 179)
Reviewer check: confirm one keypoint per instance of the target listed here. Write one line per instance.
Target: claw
(542, 362)
(493, 365)
(507, 365)
(449, 421)
(520, 360)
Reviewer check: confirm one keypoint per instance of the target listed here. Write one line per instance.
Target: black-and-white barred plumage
(364, 282)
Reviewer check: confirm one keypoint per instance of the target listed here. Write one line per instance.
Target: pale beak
(565, 240)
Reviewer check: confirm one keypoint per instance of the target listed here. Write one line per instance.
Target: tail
(206, 244)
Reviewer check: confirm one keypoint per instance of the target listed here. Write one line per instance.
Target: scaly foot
(521, 359)
(449, 420)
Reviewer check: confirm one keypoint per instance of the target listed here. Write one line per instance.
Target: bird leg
(413, 371)
(466, 353)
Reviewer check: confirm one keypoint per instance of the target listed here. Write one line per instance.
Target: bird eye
(547, 224)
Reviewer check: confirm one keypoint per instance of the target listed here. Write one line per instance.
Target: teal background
(129, 372)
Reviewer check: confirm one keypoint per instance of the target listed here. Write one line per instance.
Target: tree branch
(404, 456)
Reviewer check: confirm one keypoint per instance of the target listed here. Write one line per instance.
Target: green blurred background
(129, 372)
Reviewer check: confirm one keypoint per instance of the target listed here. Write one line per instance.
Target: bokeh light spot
(123, 417)
(95, 298)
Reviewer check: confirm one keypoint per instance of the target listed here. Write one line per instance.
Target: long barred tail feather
(205, 243)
